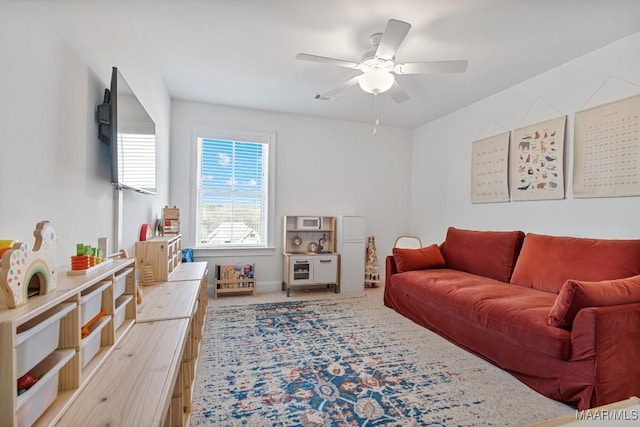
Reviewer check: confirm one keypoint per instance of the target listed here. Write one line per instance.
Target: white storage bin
(39, 402)
(91, 302)
(38, 337)
(121, 308)
(121, 282)
(91, 344)
(38, 398)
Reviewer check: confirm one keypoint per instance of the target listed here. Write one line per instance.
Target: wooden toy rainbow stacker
(24, 271)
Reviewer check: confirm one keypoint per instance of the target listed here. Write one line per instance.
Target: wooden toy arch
(22, 270)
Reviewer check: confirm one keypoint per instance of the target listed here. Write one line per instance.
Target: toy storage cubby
(43, 338)
(165, 344)
(94, 316)
(124, 294)
(162, 255)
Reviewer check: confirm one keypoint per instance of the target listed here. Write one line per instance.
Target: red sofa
(562, 314)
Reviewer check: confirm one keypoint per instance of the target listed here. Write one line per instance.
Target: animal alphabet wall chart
(537, 161)
(607, 150)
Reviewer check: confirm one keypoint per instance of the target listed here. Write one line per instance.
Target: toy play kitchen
(309, 252)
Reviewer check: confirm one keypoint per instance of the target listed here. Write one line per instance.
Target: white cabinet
(313, 269)
(352, 272)
(325, 268)
(351, 243)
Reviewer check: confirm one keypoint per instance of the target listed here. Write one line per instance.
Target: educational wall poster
(537, 161)
(607, 150)
(489, 169)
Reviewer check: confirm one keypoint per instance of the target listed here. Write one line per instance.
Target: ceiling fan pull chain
(375, 109)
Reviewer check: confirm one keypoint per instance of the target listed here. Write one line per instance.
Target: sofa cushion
(514, 313)
(575, 295)
(418, 259)
(546, 262)
(486, 253)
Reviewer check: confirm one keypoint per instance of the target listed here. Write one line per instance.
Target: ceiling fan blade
(393, 35)
(432, 67)
(325, 60)
(331, 94)
(398, 94)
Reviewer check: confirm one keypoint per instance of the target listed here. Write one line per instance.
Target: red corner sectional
(562, 314)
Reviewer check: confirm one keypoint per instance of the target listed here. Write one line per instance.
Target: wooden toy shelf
(91, 340)
(149, 378)
(162, 254)
(234, 278)
(43, 338)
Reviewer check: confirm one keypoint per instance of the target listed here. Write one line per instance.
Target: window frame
(268, 138)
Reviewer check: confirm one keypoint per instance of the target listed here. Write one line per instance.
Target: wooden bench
(134, 386)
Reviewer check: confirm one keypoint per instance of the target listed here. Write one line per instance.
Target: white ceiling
(242, 53)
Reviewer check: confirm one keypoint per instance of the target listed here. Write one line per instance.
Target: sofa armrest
(390, 269)
(611, 335)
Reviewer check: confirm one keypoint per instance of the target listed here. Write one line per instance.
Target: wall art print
(537, 161)
(607, 150)
(489, 169)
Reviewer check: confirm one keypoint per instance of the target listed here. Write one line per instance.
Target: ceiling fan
(379, 65)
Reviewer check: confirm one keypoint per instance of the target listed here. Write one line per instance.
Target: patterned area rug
(348, 362)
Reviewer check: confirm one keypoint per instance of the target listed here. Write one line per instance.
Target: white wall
(442, 153)
(56, 62)
(323, 167)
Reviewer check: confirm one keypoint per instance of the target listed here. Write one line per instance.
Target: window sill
(237, 251)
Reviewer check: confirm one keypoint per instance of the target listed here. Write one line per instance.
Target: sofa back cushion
(485, 253)
(546, 262)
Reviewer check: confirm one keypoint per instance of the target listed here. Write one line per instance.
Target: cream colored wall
(441, 166)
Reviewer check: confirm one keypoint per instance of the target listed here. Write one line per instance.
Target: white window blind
(137, 160)
(232, 193)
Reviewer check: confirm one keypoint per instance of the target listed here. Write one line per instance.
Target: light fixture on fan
(379, 66)
(376, 81)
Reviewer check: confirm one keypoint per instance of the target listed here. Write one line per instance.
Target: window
(234, 190)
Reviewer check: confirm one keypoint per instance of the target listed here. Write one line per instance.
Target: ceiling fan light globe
(376, 81)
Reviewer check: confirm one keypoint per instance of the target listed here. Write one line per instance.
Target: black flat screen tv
(125, 125)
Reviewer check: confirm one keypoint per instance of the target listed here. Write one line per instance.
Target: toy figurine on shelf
(25, 273)
(371, 275)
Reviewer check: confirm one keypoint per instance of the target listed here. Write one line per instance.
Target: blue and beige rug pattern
(330, 363)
